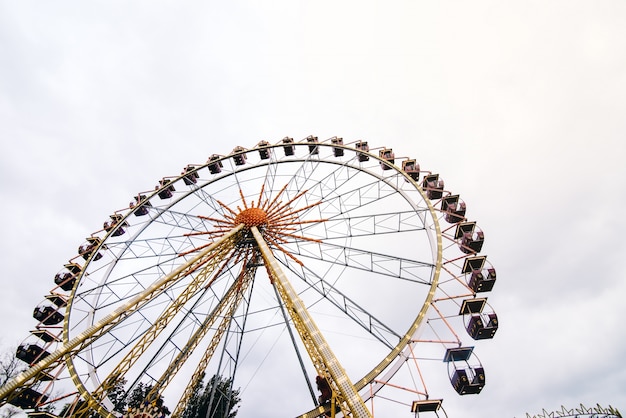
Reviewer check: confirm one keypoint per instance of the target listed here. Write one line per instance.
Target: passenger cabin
(41, 414)
(141, 205)
(480, 325)
(433, 186)
(473, 243)
(313, 147)
(337, 151)
(469, 237)
(362, 146)
(426, 405)
(473, 263)
(66, 279)
(167, 189)
(27, 398)
(412, 168)
(326, 392)
(468, 381)
(190, 175)
(45, 335)
(264, 150)
(481, 278)
(115, 220)
(30, 353)
(453, 208)
(239, 155)
(47, 315)
(288, 146)
(387, 155)
(73, 268)
(57, 299)
(86, 249)
(215, 164)
(465, 379)
(472, 306)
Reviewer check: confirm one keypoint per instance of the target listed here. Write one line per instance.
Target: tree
(215, 400)
(116, 394)
(123, 401)
(10, 366)
(139, 395)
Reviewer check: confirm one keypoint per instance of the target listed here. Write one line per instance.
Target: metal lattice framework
(370, 268)
(580, 412)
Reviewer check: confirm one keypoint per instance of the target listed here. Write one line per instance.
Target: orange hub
(251, 217)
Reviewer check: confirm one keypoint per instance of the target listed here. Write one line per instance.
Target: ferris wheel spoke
(172, 241)
(208, 199)
(269, 179)
(346, 305)
(114, 291)
(196, 199)
(181, 220)
(170, 245)
(161, 250)
(342, 192)
(342, 209)
(340, 227)
(170, 352)
(295, 345)
(226, 309)
(333, 187)
(299, 180)
(188, 320)
(150, 335)
(360, 259)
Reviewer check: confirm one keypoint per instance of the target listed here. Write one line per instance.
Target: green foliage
(77, 412)
(215, 400)
(138, 397)
(117, 395)
(122, 401)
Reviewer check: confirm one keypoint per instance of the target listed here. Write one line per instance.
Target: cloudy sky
(518, 105)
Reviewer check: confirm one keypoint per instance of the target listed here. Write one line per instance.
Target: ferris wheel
(316, 277)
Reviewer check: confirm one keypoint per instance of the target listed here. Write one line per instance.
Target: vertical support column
(322, 356)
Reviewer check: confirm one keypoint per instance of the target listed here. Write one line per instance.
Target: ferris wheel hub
(251, 217)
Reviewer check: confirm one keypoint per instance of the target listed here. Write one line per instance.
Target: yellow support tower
(325, 362)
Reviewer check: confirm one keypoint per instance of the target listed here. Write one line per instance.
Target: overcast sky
(520, 106)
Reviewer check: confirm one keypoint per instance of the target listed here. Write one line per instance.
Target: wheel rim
(376, 190)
